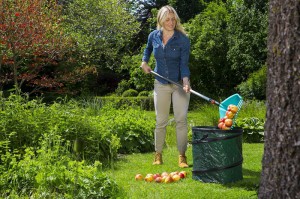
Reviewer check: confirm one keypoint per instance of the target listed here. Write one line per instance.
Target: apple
(173, 173)
(229, 114)
(149, 178)
(181, 175)
(220, 125)
(228, 122)
(156, 175)
(175, 177)
(168, 179)
(158, 179)
(164, 174)
(138, 177)
(224, 127)
(233, 108)
(163, 178)
(184, 173)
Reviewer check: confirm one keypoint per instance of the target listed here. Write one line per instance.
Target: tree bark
(280, 176)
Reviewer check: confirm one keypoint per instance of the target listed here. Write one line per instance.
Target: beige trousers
(164, 95)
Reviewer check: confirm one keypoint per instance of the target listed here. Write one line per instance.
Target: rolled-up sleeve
(148, 50)
(184, 61)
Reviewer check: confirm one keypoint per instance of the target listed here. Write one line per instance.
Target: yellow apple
(138, 177)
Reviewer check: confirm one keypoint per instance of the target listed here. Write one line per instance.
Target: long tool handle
(191, 90)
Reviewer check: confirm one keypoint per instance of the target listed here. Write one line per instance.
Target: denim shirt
(171, 59)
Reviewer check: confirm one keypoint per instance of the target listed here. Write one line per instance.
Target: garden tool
(235, 99)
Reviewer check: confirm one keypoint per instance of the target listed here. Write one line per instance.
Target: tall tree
(247, 38)
(102, 29)
(31, 43)
(281, 160)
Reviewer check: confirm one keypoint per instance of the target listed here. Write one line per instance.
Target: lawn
(125, 169)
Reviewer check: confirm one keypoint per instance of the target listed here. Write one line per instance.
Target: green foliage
(130, 93)
(208, 63)
(247, 38)
(51, 172)
(138, 79)
(122, 87)
(23, 123)
(143, 94)
(143, 103)
(253, 129)
(255, 86)
(99, 30)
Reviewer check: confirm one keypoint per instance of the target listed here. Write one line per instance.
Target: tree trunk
(280, 176)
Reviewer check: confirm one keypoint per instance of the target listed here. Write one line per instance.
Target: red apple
(224, 127)
(220, 125)
(156, 175)
(222, 120)
(181, 175)
(228, 122)
(184, 173)
(158, 179)
(138, 177)
(168, 179)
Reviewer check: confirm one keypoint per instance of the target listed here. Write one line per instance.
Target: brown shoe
(157, 159)
(183, 162)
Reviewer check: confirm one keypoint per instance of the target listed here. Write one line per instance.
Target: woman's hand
(186, 84)
(145, 67)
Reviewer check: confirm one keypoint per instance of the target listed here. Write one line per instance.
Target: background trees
(95, 47)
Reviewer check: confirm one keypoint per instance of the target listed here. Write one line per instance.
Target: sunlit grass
(206, 115)
(126, 169)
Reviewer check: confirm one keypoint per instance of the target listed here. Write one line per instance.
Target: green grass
(128, 166)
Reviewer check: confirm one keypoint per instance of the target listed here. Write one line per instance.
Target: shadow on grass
(249, 182)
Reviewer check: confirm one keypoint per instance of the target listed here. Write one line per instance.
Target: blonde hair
(162, 14)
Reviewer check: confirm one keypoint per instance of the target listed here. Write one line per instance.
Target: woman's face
(170, 22)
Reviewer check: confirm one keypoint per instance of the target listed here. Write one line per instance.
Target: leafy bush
(130, 93)
(24, 122)
(143, 94)
(253, 129)
(51, 172)
(143, 103)
(122, 87)
(255, 86)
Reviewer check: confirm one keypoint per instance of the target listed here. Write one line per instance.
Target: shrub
(122, 87)
(130, 93)
(255, 86)
(253, 129)
(50, 172)
(143, 103)
(143, 94)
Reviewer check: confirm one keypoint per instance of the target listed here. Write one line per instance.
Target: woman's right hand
(145, 67)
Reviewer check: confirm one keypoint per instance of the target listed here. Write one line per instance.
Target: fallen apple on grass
(139, 177)
(149, 178)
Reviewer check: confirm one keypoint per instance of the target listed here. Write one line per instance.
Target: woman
(171, 49)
